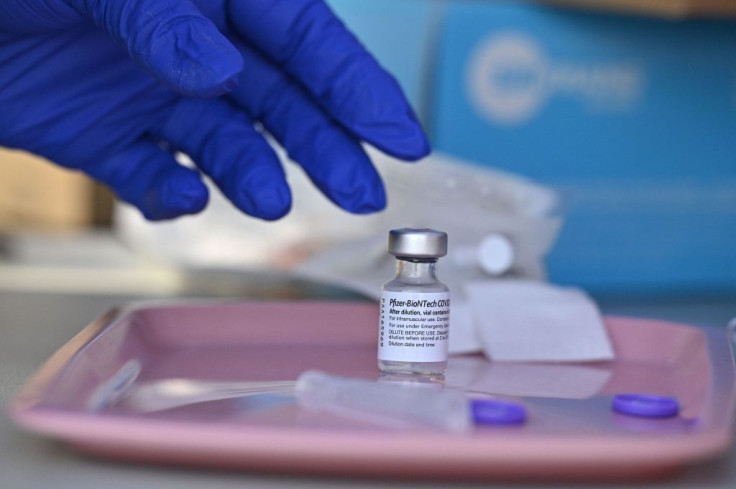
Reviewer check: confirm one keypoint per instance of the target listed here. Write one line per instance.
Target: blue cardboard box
(633, 119)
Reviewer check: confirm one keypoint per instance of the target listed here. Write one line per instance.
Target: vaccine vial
(415, 306)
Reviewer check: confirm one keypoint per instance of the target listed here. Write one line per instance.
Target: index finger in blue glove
(172, 40)
(308, 41)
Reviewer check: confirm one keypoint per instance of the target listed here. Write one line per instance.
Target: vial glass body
(415, 278)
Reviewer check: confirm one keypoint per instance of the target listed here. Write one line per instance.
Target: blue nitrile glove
(114, 87)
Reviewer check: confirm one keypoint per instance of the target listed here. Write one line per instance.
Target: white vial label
(414, 326)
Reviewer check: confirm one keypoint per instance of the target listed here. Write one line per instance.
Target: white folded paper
(532, 321)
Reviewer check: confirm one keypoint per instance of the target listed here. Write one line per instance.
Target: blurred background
(585, 142)
(602, 134)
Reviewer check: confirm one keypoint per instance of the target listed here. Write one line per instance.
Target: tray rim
(28, 412)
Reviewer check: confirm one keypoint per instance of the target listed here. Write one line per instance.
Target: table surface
(33, 325)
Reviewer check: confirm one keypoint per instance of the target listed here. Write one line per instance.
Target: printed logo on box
(509, 78)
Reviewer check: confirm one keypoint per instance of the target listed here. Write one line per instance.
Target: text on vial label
(414, 326)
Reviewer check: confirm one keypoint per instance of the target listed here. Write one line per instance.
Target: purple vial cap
(497, 412)
(646, 405)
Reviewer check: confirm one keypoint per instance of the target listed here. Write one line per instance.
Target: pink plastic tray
(571, 432)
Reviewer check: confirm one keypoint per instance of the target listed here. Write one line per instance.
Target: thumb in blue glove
(172, 39)
(115, 87)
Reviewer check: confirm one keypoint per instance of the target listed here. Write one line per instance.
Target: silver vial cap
(417, 243)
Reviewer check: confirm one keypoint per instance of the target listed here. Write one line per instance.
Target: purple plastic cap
(646, 405)
(497, 412)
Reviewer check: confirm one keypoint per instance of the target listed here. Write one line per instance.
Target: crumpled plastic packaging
(467, 201)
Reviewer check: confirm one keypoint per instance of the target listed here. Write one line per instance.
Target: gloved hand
(115, 87)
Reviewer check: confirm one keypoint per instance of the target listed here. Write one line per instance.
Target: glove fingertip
(376, 202)
(272, 205)
(368, 208)
(179, 195)
(401, 137)
(411, 145)
(267, 200)
(188, 195)
(364, 197)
